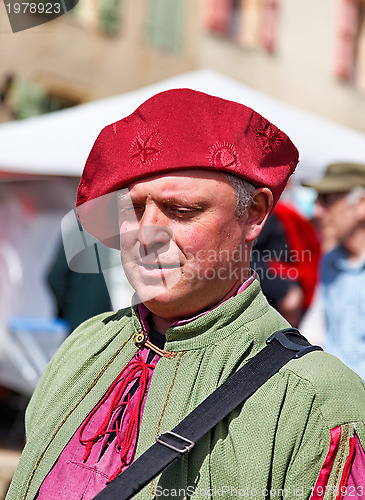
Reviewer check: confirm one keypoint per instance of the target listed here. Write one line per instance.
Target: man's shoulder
(338, 391)
(109, 320)
(86, 350)
(95, 334)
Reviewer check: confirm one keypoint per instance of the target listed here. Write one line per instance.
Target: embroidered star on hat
(268, 138)
(145, 147)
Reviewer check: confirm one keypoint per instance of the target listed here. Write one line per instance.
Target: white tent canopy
(59, 142)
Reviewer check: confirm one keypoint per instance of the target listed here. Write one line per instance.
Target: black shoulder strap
(281, 347)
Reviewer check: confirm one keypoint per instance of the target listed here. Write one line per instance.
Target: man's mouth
(158, 265)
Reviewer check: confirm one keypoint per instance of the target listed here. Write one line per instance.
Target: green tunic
(272, 447)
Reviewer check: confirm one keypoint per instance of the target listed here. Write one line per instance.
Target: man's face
(182, 246)
(335, 217)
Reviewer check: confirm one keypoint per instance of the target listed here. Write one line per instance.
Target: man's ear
(257, 213)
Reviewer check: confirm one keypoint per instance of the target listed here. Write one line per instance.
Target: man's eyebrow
(182, 198)
(175, 199)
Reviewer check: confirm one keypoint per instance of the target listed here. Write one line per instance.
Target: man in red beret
(183, 187)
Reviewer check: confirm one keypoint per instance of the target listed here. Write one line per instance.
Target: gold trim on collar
(141, 340)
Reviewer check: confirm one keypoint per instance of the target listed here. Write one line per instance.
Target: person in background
(286, 258)
(340, 216)
(78, 296)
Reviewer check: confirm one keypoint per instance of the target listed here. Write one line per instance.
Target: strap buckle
(185, 448)
(282, 337)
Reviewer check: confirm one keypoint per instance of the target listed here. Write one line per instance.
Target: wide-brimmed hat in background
(340, 177)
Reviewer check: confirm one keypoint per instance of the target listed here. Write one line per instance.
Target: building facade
(100, 48)
(308, 53)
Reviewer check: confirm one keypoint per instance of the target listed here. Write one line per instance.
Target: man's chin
(166, 309)
(153, 282)
(158, 295)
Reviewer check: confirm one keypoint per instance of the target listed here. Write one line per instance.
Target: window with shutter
(347, 33)
(27, 98)
(217, 15)
(165, 24)
(101, 15)
(250, 23)
(359, 70)
(109, 16)
(270, 15)
(351, 48)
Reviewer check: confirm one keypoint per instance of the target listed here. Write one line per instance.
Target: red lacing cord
(135, 369)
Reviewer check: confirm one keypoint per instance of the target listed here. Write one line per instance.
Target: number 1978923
(34, 8)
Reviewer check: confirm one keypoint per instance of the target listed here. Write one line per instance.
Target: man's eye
(184, 211)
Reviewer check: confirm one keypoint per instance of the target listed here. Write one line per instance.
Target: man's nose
(152, 230)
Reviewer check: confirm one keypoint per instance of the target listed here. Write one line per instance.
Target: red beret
(179, 129)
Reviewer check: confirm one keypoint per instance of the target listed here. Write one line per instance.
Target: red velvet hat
(174, 130)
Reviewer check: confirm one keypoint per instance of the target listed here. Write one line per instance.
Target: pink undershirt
(75, 478)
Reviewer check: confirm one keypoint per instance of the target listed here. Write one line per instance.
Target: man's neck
(162, 324)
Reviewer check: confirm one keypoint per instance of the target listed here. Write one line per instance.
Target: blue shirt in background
(343, 295)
